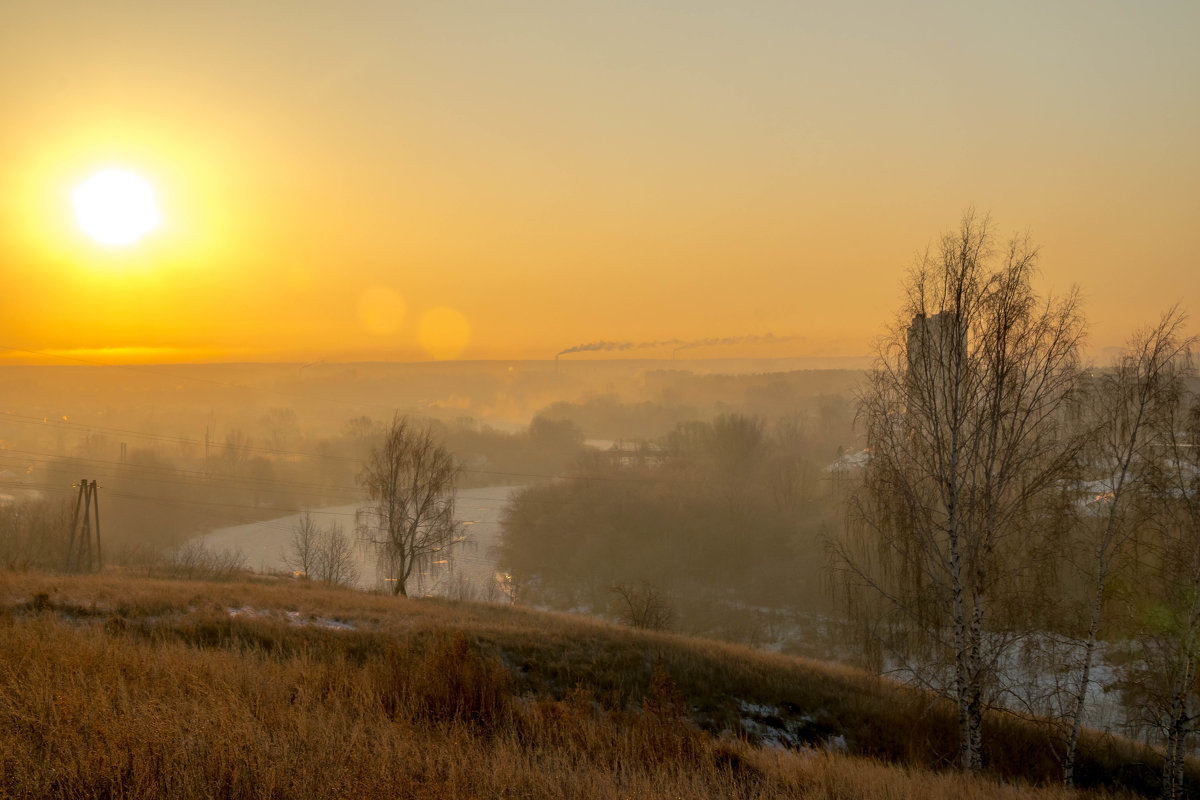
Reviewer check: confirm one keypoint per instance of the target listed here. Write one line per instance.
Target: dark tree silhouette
(410, 480)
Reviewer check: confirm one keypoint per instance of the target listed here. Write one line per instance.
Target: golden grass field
(120, 686)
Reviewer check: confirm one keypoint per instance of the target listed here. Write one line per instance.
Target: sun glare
(116, 207)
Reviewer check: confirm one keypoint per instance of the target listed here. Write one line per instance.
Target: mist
(470, 399)
(184, 454)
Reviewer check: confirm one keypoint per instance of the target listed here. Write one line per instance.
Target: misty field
(112, 686)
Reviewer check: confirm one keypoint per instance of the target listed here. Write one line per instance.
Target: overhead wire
(157, 372)
(188, 478)
(87, 428)
(168, 473)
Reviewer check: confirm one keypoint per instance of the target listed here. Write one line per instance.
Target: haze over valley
(611, 400)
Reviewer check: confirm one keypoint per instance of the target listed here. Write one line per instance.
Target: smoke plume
(678, 344)
(592, 347)
(768, 338)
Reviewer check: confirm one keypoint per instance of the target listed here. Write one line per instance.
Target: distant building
(629, 453)
(936, 352)
(849, 461)
(933, 340)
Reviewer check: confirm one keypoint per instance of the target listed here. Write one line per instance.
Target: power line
(163, 372)
(55, 487)
(217, 504)
(168, 473)
(26, 419)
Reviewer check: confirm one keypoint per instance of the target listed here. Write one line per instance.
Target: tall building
(936, 350)
(933, 337)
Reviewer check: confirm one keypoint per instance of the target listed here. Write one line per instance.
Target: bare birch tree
(1131, 409)
(303, 546)
(335, 562)
(324, 554)
(410, 480)
(965, 415)
(1165, 682)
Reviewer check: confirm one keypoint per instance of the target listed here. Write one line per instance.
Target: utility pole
(79, 548)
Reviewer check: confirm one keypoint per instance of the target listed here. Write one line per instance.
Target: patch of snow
(775, 728)
(756, 709)
(294, 618)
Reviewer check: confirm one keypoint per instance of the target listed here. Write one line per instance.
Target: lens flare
(381, 310)
(444, 333)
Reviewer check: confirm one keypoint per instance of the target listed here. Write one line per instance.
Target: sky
(429, 180)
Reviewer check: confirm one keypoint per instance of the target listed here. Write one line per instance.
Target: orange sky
(407, 180)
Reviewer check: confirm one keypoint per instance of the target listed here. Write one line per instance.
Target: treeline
(712, 523)
(492, 457)
(155, 495)
(676, 397)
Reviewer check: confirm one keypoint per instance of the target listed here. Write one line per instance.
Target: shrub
(196, 561)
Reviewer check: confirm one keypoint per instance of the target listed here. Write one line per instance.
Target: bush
(644, 607)
(196, 561)
(33, 534)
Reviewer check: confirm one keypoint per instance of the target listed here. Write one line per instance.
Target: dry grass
(116, 687)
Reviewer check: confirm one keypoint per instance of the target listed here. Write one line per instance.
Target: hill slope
(121, 686)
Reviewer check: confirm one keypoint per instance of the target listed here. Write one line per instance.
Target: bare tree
(236, 451)
(303, 546)
(282, 426)
(324, 554)
(410, 480)
(335, 563)
(1165, 681)
(360, 432)
(1132, 412)
(965, 416)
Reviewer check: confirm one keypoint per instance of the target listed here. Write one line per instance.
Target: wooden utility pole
(80, 557)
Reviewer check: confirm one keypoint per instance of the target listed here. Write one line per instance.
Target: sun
(116, 207)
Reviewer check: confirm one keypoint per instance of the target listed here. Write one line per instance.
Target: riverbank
(264, 544)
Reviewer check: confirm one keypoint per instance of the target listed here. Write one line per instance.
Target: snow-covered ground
(787, 728)
(293, 618)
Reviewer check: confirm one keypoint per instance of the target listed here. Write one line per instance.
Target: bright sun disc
(116, 207)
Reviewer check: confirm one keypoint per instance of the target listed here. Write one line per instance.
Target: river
(265, 544)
